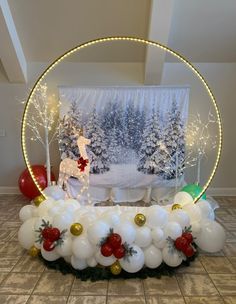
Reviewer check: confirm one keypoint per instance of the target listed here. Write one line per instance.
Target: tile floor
(210, 279)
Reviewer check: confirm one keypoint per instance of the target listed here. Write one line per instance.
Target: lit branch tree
(200, 138)
(42, 121)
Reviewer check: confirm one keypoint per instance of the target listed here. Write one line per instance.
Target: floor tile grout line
(107, 291)
(71, 287)
(144, 292)
(212, 281)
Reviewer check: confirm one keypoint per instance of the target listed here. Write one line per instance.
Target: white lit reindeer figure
(73, 168)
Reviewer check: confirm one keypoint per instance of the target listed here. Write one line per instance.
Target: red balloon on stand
(27, 185)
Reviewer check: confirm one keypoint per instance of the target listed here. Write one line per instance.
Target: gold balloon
(176, 206)
(140, 219)
(76, 229)
(34, 251)
(38, 200)
(115, 268)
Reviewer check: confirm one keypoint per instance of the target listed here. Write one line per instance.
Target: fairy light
(132, 39)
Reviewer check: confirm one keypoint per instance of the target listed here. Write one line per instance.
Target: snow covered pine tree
(174, 141)
(97, 150)
(69, 128)
(151, 137)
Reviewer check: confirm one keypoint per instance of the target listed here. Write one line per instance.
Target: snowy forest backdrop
(140, 130)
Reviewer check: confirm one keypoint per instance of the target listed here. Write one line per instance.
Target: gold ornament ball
(140, 219)
(38, 200)
(176, 206)
(34, 251)
(76, 229)
(115, 268)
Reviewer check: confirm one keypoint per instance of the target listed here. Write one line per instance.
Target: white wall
(221, 78)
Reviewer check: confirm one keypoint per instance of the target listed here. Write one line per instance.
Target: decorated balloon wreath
(102, 242)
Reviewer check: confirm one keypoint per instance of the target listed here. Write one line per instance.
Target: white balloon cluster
(149, 241)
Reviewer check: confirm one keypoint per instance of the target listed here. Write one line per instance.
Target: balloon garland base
(103, 273)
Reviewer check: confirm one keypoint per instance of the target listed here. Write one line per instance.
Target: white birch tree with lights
(42, 121)
(200, 137)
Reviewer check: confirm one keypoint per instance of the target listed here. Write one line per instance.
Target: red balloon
(27, 185)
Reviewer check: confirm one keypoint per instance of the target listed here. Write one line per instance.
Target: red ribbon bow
(82, 163)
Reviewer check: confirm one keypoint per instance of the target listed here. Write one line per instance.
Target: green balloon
(194, 190)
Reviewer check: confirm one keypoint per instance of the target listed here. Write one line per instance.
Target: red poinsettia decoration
(50, 236)
(82, 163)
(184, 243)
(112, 244)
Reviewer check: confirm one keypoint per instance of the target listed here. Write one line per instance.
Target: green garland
(104, 273)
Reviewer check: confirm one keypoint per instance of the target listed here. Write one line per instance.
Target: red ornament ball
(188, 236)
(114, 240)
(189, 251)
(119, 252)
(46, 232)
(106, 250)
(181, 243)
(48, 245)
(54, 234)
(27, 185)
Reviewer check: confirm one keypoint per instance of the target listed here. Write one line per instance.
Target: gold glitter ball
(38, 200)
(140, 219)
(76, 229)
(115, 268)
(176, 206)
(34, 251)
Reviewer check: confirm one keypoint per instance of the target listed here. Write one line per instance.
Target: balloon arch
(99, 242)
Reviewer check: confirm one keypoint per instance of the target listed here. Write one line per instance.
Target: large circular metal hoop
(133, 39)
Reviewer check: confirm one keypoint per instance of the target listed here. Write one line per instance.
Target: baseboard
(9, 190)
(221, 191)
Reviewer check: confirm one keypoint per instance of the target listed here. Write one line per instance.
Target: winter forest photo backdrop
(137, 134)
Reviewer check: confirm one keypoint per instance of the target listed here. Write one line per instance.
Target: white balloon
(135, 262)
(91, 262)
(82, 248)
(62, 221)
(157, 234)
(111, 218)
(26, 212)
(39, 221)
(104, 261)
(79, 264)
(54, 211)
(45, 206)
(196, 228)
(182, 198)
(97, 231)
(126, 231)
(181, 217)
(153, 257)
(160, 244)
(156, 216)
(211, 237)
(173, 230)
(193, 211)
(87, 219)
(55, 192)
(205, 208)
(65, 249)
(143, 236)
(171, 257)
(50, 255)
(127, 217)
(26, 234)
